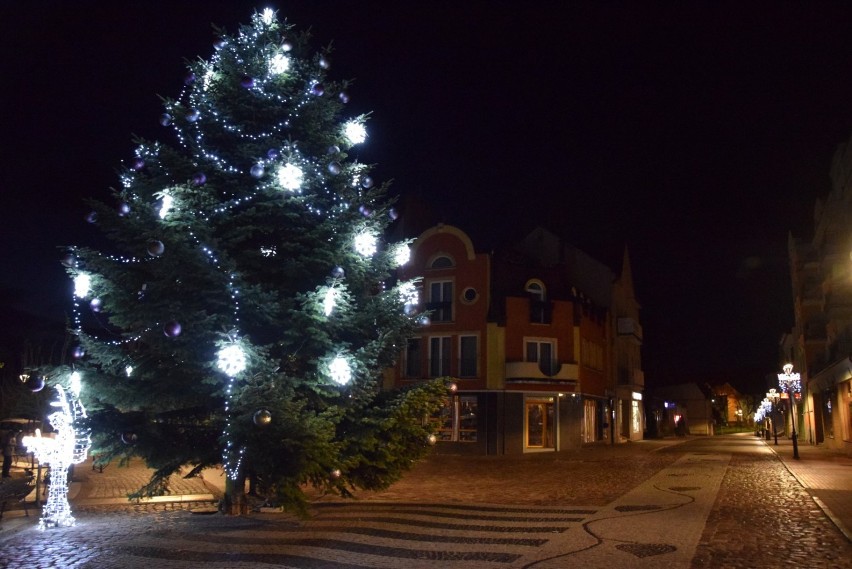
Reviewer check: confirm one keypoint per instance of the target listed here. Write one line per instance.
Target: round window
(469, 294)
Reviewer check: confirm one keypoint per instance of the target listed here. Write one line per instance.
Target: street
(709, 502)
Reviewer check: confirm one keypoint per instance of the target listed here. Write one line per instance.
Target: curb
(822, 505)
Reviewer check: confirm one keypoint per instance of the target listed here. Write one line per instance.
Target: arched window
(441, 262)
(536, 290)
(539, 307)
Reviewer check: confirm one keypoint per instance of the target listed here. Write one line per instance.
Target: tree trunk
(235, 503)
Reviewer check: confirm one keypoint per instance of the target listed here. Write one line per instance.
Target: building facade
(820, 344)
(531, 337)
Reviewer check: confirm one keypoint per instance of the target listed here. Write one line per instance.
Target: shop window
(457, 420)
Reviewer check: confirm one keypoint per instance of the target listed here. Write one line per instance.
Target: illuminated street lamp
(791, 384)
(774, 397)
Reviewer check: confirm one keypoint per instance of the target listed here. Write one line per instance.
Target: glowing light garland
(68, 447)
(340, 371)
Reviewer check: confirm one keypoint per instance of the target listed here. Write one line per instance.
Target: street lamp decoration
(788, 381)
(791, 383)
(69, 446)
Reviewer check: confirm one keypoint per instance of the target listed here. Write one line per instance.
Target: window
(441, 262)
(439, 356)
(467, 356)
(543, 352)
(457, 420)
(413, 358)
(441, 301)
(539, 307)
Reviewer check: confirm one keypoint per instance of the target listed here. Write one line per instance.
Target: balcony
(630, 329)
(541, 372)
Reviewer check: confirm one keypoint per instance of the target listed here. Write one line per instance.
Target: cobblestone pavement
(720, 502)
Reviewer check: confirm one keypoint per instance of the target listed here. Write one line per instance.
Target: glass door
(539, 424)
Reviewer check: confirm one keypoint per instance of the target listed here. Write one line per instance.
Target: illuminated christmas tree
(248, 306)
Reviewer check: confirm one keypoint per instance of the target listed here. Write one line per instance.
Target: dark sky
(698, 134)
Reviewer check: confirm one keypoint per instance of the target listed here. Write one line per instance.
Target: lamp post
(774, 397)
(791, 384)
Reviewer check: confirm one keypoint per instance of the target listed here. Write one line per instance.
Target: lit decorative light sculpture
(279, 63)
(402, 254)
(166, 204)
(355, 132)
(290, 177)
(340, 371)
(330, 301)
(81, 285)
(365, 243)
(232, 360)
(68, 447)
(791, 383)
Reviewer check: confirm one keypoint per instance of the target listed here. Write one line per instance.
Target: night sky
(697, 134)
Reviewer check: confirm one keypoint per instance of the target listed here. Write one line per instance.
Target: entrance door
(539, 424)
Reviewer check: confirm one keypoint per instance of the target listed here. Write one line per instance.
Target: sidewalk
(826, 474)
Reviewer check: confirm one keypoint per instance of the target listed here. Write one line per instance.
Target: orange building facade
(533, 356)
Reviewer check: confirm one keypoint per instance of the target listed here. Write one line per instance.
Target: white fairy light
(365, 243)
(355, 132)
(340, 371)
(232, 360)
(82, 282)
(268, 16)
(402, 255)
(128, 370)
(290, 177)
(269, 251)
(279, 63)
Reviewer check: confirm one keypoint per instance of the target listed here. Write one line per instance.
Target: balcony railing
(542, 370)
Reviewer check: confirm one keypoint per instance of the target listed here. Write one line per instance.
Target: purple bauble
(257, 170)
(156, 248)
(92, 217)
(317, 89)
(219, 43)
(324, 63)
(247, 82)
(367, 182)
(334, 168)
(123, 209)
(338, 272)
(165, 119)
(393, 214)
(333, 149)
(36, 383)
(138, 163)
(68, 260)
(365, 211)
(192, 115)
(78, 352)
(199, 179)
(344, 98)
(272, 153)
(424, 320)
(95, 305)
(129, 438)
(172, 329)
(189, 79)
